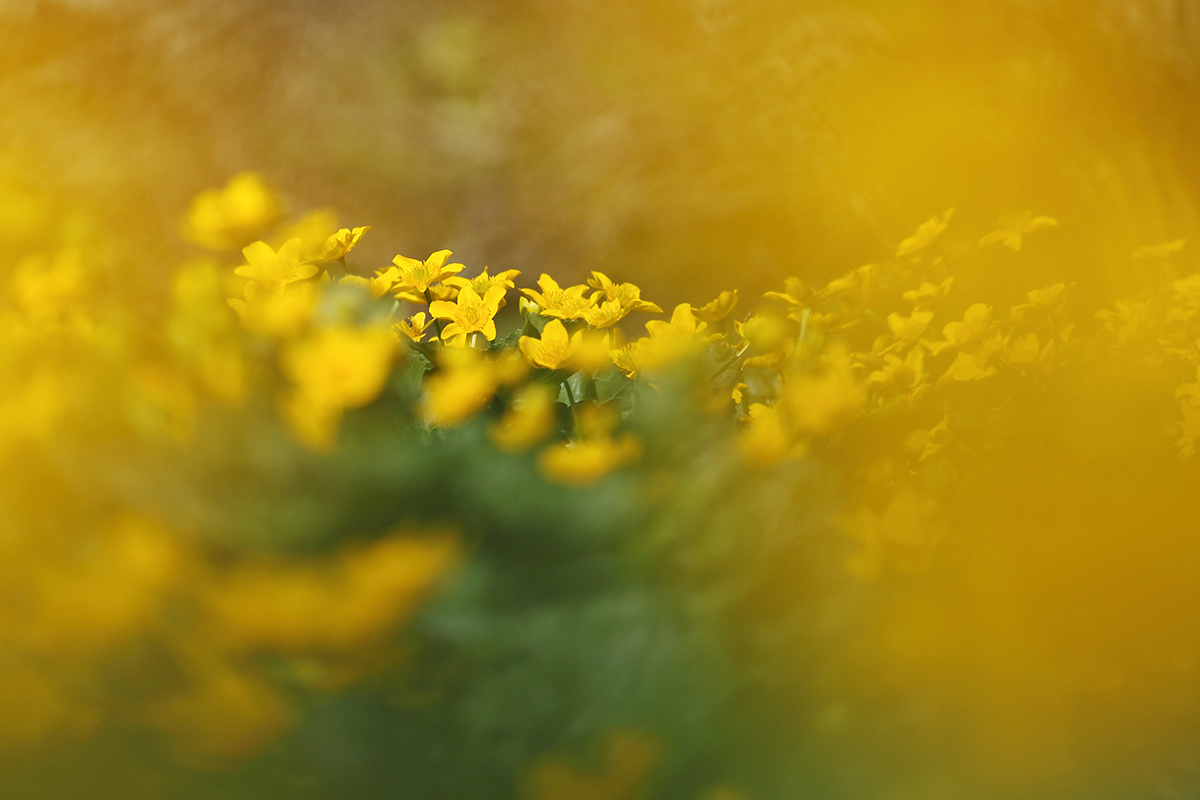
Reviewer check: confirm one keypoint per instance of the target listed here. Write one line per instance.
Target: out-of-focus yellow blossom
(552, 350)
(625, 295)
(554, 301)
(313, 230)
(926, 233)
(976, 322)
(328, 605)
(1025, 349)
(908, 329)
(528, 419)
(907, 527)
(1126, 322)
(765, 439)
(340, 367)
(585, 461)
(928, 293)
(339, 244)
(482, 282)
(223, 712)
(969, 367)
(471, 315)
(627, 763)
(901, 374)
(465, 383)
(278, 315)
(683, 325)
(417, 276)
(230, 217)
(925, 443)
(590, 351)
(796, 294)
(46, 289)
(1012, 230)
(274, 270)
(378, 285)
(763, 332)
(818, 404)
(415, 326)
(719, 308)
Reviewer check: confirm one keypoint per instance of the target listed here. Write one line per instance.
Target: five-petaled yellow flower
(551, 351)
(415, 326)
(416, 276)
(275, 270)
(555, 301)
(471, 314)
(482, 282)
(625, 295)
(340, 243)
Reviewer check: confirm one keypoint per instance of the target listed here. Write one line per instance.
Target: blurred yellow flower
(625, 295)
(340, 367)
(1012, 230)
(719, 308)
(465, 383)
(482, 282)
(926, 233)
(528, 420)
(230, 217)
(907, 329)
(796, 294)
(279, 315)
(275, 270)
(585, 461)
(928, 293)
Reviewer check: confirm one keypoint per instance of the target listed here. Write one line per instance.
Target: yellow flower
(630, 358)
(626, 295)
(275, 270)
(929, 230)
(1023, 349)
(340, 243)
(552, 350)
(471, 315)
(590, 351)
(276, 315)
(819, 404)
(720, 308)
(482, 282)
(583, 462)
(795, 294)
(1012, 230)
(928, 293)
(340, 367)
(907, 329)
(976, 322)
(606, 314)
(417, 276)
(465, 383)
(682, 325)
(765, 438)
(554, 301)
(378, 285)
(528, 420)
(313, 230)
(228, 218)
(907, 374)
(333, 604)
(414, 327)
(969, 367)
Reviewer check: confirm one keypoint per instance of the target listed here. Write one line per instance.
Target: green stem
(571, 403)
(437, 323)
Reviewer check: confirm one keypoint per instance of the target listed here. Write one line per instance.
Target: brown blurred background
(691, 145)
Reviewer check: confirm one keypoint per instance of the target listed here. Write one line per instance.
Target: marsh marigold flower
(273, 270)
(552, 350)
(340, 243)
(227, 218)
(554, 301)
(416, 276)
(472, 314)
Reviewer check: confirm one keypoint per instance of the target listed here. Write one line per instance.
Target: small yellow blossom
(1013, 230)
(279, 315)
(554, 301)
(719, 308)
(626, 295)
(465, 383)
(552, 350)
(337, 245)
(228, 218)
(796, 294)
(976, 322)
(417, 276)
(907, 374)
(275, 270)
(528, 420)
(928, 293)
(630, 358)
(605, 315)
(472, 314)
(482, 282)
(908, 329)
(925, 234)
(415, 326)
(585, 461)
(765, 439)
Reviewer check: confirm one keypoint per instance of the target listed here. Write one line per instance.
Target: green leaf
(610, 384)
